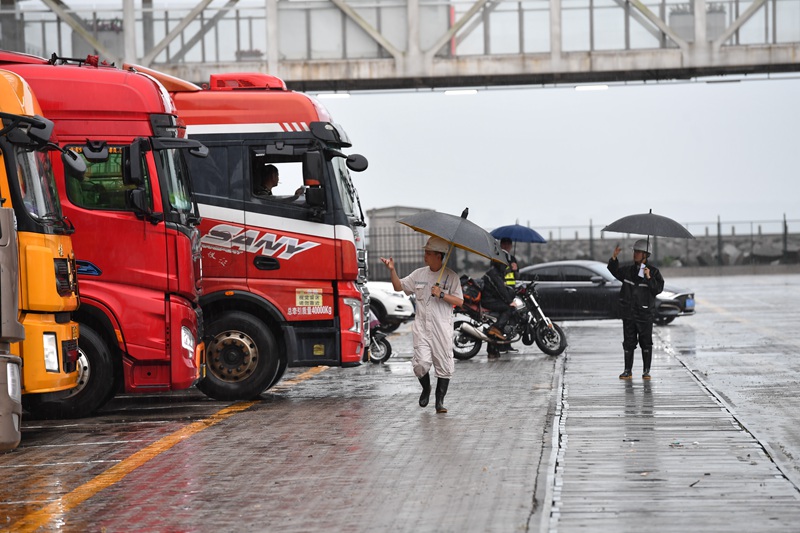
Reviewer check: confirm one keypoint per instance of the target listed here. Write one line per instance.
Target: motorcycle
(528, 323)
(379, 350)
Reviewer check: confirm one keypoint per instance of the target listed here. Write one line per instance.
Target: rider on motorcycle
(497, 296)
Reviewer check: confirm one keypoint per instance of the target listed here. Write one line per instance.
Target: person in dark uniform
(497, 296)
(510, 277)
(512, 269)
(637, 299)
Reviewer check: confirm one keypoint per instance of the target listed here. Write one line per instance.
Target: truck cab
(136, 229)
(47, 277)
(282, 271)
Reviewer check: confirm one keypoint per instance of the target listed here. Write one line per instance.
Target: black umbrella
(457, 231)
(649, 224)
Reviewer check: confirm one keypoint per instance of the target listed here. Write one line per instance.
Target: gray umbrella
(458, 231)
(649, 224)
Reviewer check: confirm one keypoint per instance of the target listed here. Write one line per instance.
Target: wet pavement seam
(620, 467)
(790, 476)
(548, 470)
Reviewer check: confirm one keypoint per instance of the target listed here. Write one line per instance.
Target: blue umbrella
(517, 233)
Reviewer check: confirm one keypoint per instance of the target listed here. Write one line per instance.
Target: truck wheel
(242, 358)
(95, 387)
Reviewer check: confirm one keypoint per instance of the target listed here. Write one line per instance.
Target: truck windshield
(37, 184)
(103, 186)
(176, 177)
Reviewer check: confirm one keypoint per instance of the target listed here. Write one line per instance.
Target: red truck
(282, 268)
(136, 238)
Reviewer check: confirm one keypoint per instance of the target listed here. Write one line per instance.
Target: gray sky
(560, 157)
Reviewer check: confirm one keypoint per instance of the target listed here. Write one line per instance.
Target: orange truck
(38, 279)
(47, 280)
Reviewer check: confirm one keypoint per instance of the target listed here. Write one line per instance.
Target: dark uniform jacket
(495, 291)
(637, 297)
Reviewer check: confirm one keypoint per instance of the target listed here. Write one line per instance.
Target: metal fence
(717, 243)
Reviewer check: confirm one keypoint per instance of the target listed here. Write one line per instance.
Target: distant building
(387, 238)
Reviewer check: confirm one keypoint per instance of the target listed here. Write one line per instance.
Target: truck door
(128, 213)
(290, 244)
(217, 181)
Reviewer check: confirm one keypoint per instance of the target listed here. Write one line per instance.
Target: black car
(583, 290)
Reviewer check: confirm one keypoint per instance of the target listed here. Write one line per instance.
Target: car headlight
(187, 341)
(50, 352)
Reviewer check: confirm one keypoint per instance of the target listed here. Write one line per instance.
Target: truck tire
(242, 359)
(96, 385)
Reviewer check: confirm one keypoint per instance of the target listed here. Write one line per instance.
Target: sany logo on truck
(233, 238)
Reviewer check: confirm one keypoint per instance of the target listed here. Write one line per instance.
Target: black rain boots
(647, 358)
(425, 381)
(628, 365)
(441, 390)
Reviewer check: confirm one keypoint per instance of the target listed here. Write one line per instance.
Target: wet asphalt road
(349, 449)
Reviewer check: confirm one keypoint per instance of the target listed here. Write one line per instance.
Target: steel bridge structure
(351, 45)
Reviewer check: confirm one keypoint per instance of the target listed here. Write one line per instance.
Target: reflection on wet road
(349, 449)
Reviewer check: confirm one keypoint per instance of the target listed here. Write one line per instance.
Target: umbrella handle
(444, 263)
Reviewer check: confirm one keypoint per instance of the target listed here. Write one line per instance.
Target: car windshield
(37, 184)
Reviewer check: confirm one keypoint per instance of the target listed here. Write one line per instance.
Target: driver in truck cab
(267, 178)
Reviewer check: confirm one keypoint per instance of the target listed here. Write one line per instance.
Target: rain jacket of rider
(637, 297)
(495, 288)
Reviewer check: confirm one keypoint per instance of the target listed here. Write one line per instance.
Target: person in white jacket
(437, 290)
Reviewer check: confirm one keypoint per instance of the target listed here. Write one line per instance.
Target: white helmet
(642, 245)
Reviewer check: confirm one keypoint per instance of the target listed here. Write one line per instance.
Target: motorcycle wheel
(464, 346)
(379, 350)
(551, 341)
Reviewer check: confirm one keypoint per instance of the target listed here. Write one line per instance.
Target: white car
(391, 307)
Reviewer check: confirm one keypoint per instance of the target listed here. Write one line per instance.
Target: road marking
(310, 373)
(58, 508)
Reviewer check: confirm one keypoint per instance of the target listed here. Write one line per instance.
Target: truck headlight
(187, 341)
(355, 307)
(14, 389)
(50, 352)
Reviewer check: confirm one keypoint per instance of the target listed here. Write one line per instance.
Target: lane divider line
(40, 518)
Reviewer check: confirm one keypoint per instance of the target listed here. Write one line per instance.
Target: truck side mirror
(40, 130)
(357, 163)
(132, 157)
(313, 168)
(138, 200)
(73, 164)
